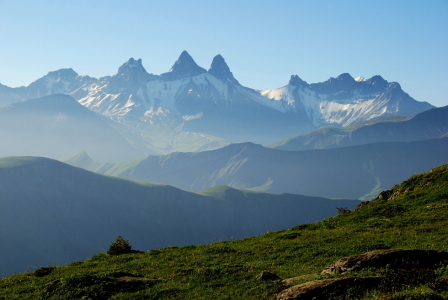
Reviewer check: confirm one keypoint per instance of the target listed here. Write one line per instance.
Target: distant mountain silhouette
(55, 213)
(429, 124)
(350, 172)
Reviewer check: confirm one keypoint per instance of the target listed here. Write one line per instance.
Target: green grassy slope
(413, 215)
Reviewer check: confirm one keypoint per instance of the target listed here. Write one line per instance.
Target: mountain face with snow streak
(343, 100)
(192, 99)
(211, 102)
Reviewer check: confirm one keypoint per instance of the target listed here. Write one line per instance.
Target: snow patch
(193, 117)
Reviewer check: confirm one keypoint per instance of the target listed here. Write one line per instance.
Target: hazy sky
(263, 42)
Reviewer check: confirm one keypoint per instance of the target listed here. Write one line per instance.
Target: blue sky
(263, 42)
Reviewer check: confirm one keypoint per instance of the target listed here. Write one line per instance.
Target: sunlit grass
(416, 217)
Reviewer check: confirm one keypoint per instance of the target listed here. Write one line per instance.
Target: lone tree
(120, 246)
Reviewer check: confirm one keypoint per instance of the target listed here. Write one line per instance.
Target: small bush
(418, 296)
(100, 256)
(439, 285)
(43, 271)
(120, 246)
(343, 210)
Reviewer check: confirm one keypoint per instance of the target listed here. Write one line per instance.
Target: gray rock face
(319, 289)
(290, 281)
(214, 103)
(413, 260)
(430, 124)
(267, 276)
(396, 259)
(184, 66)
(297, 81)
(63, 81)
(221, 70)
(133, 72)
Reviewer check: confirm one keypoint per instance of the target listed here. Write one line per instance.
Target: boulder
(266, 275)
(395, 259)
(290, 281)
(319, 289)
(362, 205)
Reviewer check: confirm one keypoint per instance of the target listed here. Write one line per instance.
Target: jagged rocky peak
(297, 81)
(220, 69)
(133, 71)
(345, 77)
(131, 64)
(184, 66)
(395, 85)
(377, 80)
(63, 74)
(344, 82)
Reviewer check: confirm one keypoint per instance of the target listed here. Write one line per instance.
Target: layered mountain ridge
(58, 213)
(357, 172)
(213, 102)
(430, 124)
(56, 126)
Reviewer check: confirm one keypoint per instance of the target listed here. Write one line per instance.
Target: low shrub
(119, 246)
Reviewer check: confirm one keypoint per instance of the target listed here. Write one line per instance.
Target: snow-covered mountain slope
(430, 124)
(212, 102)
(344, 100)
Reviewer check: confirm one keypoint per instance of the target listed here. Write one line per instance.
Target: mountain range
(348, 172)
(200, 131)
(191, 99)
(430, 124)
(57, 125)
(55, 213)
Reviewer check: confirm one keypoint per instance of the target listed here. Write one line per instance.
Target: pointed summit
(297, 81)
(345, 76)
(344, 82)
(221, 70)
(184, 66)
(377, 80)
(63, 74)
(131, 64)
(133, 71)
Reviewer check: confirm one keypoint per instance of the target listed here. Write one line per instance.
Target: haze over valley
(179, 130)
(221, 140)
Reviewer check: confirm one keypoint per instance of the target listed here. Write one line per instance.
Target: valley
(193, 159)
(412, 215)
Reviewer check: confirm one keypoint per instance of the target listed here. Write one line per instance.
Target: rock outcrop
(395, 259)
(319, 289)
(267, 276)
(407, 267)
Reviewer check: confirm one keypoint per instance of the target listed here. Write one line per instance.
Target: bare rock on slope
(396, 259)
(318, 289)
